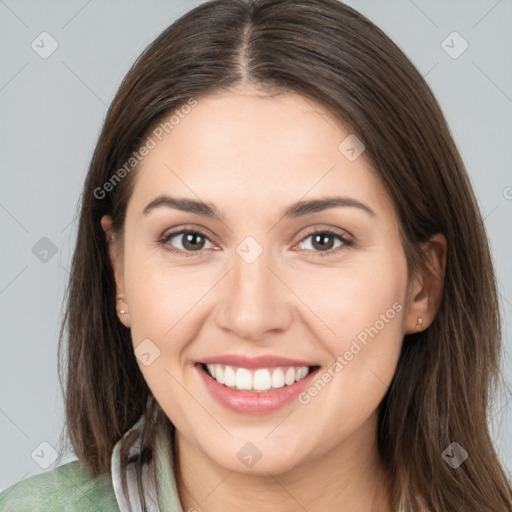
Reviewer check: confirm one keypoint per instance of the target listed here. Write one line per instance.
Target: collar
(163, 495)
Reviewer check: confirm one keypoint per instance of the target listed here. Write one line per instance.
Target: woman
(281, 296)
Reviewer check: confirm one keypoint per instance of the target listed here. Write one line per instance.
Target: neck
(348, 477)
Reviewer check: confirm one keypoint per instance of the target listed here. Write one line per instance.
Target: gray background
(51, 113)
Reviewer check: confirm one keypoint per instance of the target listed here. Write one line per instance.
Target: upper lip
(266, 361)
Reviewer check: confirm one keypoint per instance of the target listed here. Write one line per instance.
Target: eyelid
(188, 228)
(167, 235)
(346, 238)
(325, 228)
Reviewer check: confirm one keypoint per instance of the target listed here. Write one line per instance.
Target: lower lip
(253, 402)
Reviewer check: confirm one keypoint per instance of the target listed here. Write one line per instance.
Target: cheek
(365, 308)
(161, 297)
(352, 302)
(164, 308)
(168, 308)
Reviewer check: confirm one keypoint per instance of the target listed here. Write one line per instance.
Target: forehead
(252, 151)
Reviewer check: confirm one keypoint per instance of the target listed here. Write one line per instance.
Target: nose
(255, 303)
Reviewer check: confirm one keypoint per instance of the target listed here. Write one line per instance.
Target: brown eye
(324, 241)
(190, 241)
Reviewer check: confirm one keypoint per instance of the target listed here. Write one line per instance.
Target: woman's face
(250, 288)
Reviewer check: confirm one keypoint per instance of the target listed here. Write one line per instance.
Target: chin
(258, 457)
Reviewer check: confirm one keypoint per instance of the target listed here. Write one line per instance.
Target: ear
(116, 259)
(426, 288)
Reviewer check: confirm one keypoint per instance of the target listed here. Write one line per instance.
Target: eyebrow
(295, 210)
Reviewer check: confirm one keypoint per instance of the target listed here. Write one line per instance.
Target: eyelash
(346, 242)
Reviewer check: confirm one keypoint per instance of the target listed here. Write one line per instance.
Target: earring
(121, 311)
(418, 324)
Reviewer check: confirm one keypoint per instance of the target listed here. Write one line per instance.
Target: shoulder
(66, 488)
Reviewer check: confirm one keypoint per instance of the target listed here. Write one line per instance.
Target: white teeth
(229, 377)
(211, 369)
(243, 379)
(218, 373)
(289, 377)
(278, 378)
(262, 379)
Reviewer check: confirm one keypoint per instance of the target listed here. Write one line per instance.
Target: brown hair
(329, 53)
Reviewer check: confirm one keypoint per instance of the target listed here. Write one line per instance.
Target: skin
(252, 155)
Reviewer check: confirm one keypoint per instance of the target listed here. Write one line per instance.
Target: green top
(67, 487)
(71, 487)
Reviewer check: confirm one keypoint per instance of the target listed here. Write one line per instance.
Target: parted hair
(329, 53)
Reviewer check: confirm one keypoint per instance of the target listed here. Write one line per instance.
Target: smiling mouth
(258, 380)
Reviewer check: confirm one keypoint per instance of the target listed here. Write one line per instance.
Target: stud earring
(419, 324)
(121, 311)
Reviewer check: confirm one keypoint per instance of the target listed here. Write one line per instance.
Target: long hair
(331, 54)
